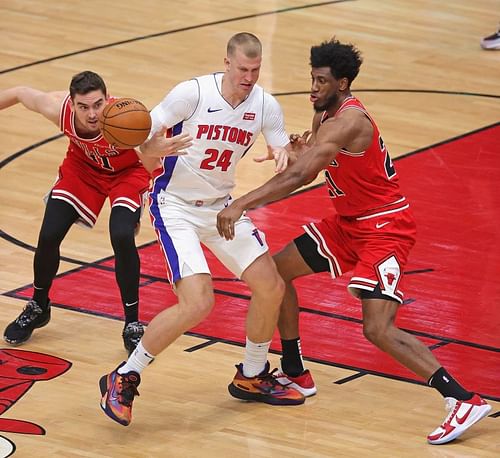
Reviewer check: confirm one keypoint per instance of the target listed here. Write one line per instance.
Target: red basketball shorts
(86, 189)
(375, 248)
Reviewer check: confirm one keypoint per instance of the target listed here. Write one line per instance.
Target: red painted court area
(452, 289)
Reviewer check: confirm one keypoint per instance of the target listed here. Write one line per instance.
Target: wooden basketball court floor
(424, 79)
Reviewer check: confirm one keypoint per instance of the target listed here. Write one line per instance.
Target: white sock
(137, 361)
(255, 358)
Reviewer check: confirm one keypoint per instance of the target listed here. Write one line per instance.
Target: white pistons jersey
(221, 136)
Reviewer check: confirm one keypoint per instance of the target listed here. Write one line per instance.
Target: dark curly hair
(344, 60)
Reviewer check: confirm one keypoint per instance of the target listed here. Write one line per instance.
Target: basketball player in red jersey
(91, 171)
(371, 233)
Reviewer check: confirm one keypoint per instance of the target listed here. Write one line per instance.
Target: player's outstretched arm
(47, 104)
(331, 136)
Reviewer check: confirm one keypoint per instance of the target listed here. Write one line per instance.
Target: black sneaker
(132, 335)
(32, 317)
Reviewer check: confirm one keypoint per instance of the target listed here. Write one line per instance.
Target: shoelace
(452, 407)
(127, 391)
(271, 379)
(29, 314)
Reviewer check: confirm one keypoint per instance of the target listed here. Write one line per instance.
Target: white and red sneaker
(303, 382)
(462, 415)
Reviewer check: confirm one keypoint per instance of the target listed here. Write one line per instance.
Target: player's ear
(343, 84)
(227, 62)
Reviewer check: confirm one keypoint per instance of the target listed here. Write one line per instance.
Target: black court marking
(410, 91)
(437, 345)
(170, 32)
(208, 343)
(358, 370)
(495, 415)
(410, 331)
(350, 378)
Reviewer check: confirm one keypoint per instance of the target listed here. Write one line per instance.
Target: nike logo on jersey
(213, 110)
(379, 225)
(131, 304)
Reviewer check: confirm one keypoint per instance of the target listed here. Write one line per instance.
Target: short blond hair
(247, 42)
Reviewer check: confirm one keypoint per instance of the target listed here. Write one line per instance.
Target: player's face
(87, 108)
(325, 89)
(242, 72)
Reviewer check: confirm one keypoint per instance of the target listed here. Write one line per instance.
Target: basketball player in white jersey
(224, 114)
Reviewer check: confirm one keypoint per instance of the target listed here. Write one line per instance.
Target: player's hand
(300, 143)
(279, 155)
(160, 146)
(226, 219)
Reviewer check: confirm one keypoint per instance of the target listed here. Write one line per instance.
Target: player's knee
(271, 286)
(375, 332)
(198, 309)
(49, 239)
(122, 237)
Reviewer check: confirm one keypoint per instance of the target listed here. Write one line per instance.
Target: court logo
(19, 370)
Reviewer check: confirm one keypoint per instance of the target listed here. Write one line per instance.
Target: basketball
(125, 123)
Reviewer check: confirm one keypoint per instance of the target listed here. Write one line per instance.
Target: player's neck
(339, 102)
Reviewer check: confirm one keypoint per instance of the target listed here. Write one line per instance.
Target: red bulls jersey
(363, 183)
(96, 152)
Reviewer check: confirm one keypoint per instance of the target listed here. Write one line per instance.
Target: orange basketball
(125, 123)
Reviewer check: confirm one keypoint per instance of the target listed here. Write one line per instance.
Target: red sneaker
(303, 382)
(462, 415)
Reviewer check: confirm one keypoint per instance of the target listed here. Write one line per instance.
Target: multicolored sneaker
(263, 388)
(118, 391)
(303, 383)
(32, 317)
(132, 335)
(462, 415)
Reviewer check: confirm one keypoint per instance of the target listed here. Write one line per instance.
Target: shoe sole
(259, 397)
(306, 392)
(18, 342)
(452, 437)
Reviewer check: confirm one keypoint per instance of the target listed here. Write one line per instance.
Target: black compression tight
(122, 224)
(58, 218)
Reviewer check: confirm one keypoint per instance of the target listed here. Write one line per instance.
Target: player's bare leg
(464, 408)
(267, 292)
(196, 300)
(253, 381)
(290, 266)
(379, 329)
(119, 387)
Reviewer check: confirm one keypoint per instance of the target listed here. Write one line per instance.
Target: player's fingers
(261, 158)
(281, 162)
